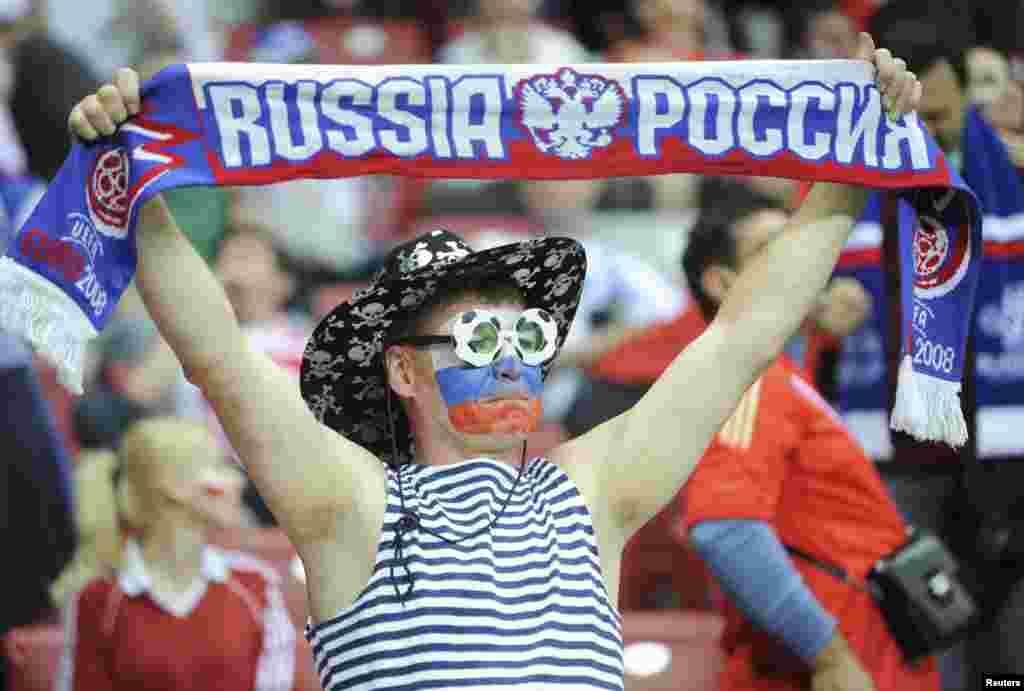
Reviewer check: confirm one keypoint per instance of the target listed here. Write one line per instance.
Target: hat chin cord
(409, 520)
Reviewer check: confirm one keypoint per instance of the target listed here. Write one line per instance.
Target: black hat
(343, 375)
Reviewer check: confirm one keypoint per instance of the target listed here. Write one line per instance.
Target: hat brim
(343, 378)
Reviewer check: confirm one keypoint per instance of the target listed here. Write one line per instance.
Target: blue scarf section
(997, 323)
(251, 124)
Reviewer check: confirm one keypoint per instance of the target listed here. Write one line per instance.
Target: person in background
(785, 471)
(510, 31)
(99, 537)
(827, 32)
(621, 297)
(623, 373)
(674, 30)
(337, 216)
(177, 612)
(260, 288)
(40, 79)
(973, 499)
(991, 87)
(135, 375)
(665, 31)
(36, 490)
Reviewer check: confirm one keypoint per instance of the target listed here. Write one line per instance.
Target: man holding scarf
(470, 566)
(972, 497)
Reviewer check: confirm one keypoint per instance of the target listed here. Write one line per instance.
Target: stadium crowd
(139, 546)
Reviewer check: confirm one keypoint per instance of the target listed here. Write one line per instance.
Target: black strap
(828, 567)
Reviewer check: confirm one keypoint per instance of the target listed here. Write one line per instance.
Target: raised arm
(647, 453)
(306, 473)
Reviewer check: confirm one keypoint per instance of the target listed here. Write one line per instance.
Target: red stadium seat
(691, 640)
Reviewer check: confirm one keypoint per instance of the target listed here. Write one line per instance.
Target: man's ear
(716, 281)
(401, 371)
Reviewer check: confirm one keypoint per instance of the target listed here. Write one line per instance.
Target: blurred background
(54, 52)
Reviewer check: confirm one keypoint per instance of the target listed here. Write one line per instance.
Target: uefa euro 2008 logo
(940, 261)
(108, 194)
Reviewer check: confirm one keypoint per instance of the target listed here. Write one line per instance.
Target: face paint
(502, 398)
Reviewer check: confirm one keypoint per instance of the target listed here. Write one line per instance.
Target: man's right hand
(99, 114)
(837, 669)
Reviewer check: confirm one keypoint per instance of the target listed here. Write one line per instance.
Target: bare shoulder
(583, 459)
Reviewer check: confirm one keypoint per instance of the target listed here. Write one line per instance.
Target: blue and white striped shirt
(521, 605)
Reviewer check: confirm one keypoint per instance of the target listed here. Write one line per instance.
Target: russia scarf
(251, 124)
(997, 324)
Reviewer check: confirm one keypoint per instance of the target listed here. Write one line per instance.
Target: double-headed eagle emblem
(568, 114)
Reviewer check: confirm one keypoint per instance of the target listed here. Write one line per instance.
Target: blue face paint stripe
(463, 384)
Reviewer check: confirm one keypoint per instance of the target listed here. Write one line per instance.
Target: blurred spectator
(988, 75)
(260, 288)
(509, 31)
(44, 80)
(623, 374)
(671, 30)
(178, 612)
(99, 538)
(432, 16)
(287, 10)
(621, 296)
(973, 498)
(135, 375)
(827, 32)
(674, 30)
(13, 160)
(335, 214)
(35, 491)
(784, 471)
(991, 87)
(111, 33)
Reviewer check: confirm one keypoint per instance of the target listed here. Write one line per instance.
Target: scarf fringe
(928, 408)
(47, 318)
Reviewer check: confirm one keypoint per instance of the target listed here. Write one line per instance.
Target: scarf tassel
(47, 318)
(928, 408)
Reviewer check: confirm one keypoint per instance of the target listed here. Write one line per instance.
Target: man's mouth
(520, 398)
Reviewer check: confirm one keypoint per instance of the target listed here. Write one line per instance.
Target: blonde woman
(176, 612)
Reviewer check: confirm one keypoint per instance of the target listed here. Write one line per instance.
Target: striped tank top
(522, 605)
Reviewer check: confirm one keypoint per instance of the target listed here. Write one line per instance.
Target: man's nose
(508, 368)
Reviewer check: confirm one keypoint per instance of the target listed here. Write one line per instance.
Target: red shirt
(231, 633)
(785, 457)
(642, 358)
